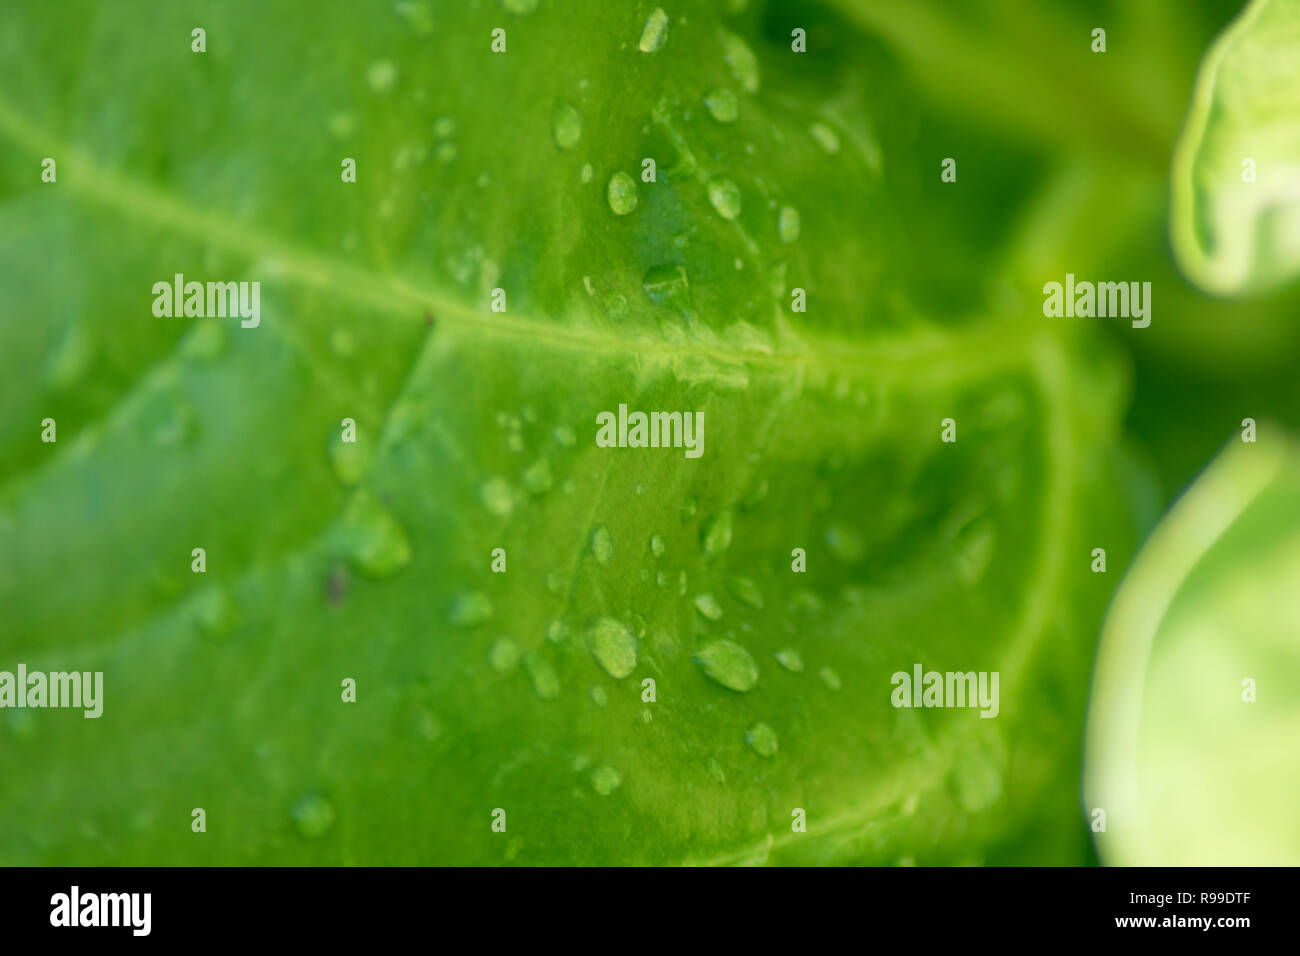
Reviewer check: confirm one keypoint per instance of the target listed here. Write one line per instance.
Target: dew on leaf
(470, 609)
(789, 224)
(599, 696)
(722, 104)
(557, 632)
(605, 780)
(708, 605)
(725, 197)
(566, 126)
(214, 613)
(689, 507)
(830, 678)
(728, 664)
(621, 193)
(542, 676)
(586, 174)
(762, 740)
(520, 8)
(503, 655)
(716, 771)
(602, 545)
(655, 32)
(565, 435)
(666, 284)
(790, 659)
(826, 137)
(657, 546)
(741, 61)
(497, 496)
(745, 591)
(381, 75)
(715, 533)
(613, 647)
(537, 477)
(371, 538)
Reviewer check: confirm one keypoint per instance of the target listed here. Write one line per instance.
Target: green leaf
(1235, 220)
(1192, 745)
(525, 690)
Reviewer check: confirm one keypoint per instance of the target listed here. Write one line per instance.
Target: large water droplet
(613, 646)
(566, 125)
(655, 32)
(313, 815)
(762, 740)
(602, 545)
(666, 284)
(729, 664)
(371, 538)
(470, 609)
(708, 605)
(746, 591)
(725, 197)
(605, 780)
(722, 104)
(621, 193)
(715, 534)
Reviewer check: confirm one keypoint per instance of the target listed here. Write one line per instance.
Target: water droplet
(716, 772)
(215, 614)
(657, 546)
(520, 8)
(546, 683)
(313, 815)
(708, 605)
(348, 458)
(666, 284)
(613, 647)
(537, 477)
(622, 193)
(746, 591)
(655, 32)
(342, 125)
(602, 545)
(586, 174)
(729, 664)
(381, 75)
(741, 60)
(826, 137)
(497, 496)
(762, 740)
(470, 609)
(789, 224)
(503, 656)
(566, 126)
(715, 534)
(689, 507)
(831, 679)
(605, 780)
(725, 197)
(722, 104)
(790, 659)
(599, 697)
(557, 632)
(371, 538)
(444, 127)
(661, 579)
(565, 435)
(845, 543)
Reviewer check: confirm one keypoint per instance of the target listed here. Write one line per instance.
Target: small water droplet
(371, 538)
(215, 613)
(722, 104)
(503, 656)
(762, 740)
(615, 304)
(725, 197)
(661, 579)
(602, 545)
(689, 508)
(444, 127)
(728, 664)
(557, 632)
(599, 697)
(497, 496)
(444, 152)
(741, 60)
(342, 125)
(826, 137)
(470, 609)
(831, 679)
(716, 772)
(746, 591)
(565, 435)
(789, 224)
(655, 32)
(657, 546)
(586, 174)
(621, 193)
(605, 780)
(537, 477)
(313, 815)
(566, 126)
(790, 659)
(381, 75)
(613, 647)
(708, 605)
(520, 8)
(715, 534)
(546, 683)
